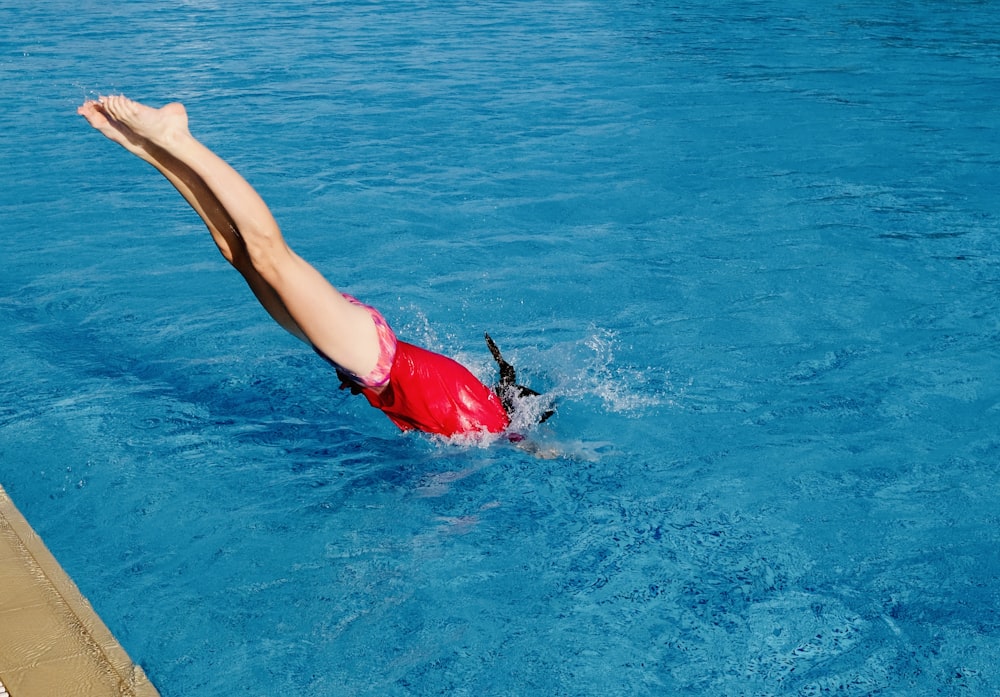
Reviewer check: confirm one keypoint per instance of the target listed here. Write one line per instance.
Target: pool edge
(52, 641)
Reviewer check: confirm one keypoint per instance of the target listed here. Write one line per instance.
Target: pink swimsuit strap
(379, 375)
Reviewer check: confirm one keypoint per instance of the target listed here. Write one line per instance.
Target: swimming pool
(750, 249)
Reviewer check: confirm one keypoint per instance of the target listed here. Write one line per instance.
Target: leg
(291, 290)
(203, 202)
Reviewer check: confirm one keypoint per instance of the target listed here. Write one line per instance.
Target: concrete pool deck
(52, 643)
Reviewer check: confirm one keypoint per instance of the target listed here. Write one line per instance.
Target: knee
(264, 253)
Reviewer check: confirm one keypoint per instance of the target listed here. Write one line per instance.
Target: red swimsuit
(422, 390)
(432, 393)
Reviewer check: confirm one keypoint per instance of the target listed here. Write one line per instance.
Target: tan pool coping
(52, 643)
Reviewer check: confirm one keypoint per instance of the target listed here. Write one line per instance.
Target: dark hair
(507, 389)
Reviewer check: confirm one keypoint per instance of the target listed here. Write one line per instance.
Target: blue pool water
(750, 247)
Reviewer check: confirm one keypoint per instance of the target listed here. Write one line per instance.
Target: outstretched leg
(291, 290)
(202, 200)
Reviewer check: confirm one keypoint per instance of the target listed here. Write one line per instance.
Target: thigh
(342, 330)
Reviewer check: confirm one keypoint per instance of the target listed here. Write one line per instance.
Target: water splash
(591, 368)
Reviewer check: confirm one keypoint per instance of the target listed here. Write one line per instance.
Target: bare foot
(112, 129)
(160, 126)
